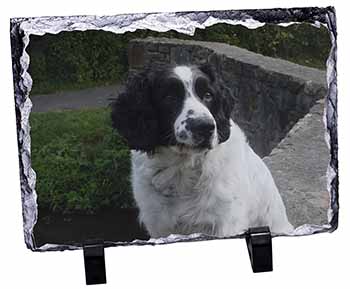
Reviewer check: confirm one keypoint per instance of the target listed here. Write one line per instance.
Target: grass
(80, 162)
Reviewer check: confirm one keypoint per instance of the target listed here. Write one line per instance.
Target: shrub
(73, 60)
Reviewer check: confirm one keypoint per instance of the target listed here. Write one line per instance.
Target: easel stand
(94, 260)
(259, 243)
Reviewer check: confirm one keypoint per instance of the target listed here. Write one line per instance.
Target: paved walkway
(85, 98)
(298, 165)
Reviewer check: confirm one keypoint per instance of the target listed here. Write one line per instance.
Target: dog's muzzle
(197, 132)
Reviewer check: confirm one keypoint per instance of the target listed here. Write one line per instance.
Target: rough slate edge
(184, 22)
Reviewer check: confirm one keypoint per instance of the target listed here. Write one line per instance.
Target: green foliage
(73, 60)
(81, 164)
(300, 43)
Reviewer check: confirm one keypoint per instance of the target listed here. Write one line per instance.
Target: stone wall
(299, 164)
(272, 94)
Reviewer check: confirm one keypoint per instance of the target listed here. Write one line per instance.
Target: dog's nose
(201, 126)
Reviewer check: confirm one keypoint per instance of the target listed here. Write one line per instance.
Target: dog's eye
(203, 90)
(207, 97)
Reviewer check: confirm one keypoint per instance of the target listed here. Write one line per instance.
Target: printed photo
(145, 135)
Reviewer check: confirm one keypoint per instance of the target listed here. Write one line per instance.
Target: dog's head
(185, 107)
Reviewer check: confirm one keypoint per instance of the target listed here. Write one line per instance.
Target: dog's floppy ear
(225, 102)
(229, 100)
(228, 97)
(133, 115)
(208, 70)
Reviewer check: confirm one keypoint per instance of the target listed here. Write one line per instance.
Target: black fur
(145, 113)
(223, 103)
(134, 115)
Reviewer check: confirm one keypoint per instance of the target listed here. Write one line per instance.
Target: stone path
(298, 165)
(85, 98)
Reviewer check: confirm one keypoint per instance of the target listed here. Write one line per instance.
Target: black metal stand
(259, 243)
(94, 260)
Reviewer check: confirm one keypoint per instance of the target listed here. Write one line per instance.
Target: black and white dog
(192, 168)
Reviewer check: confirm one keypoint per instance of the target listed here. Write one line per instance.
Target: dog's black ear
(229, 99)
(208, 70)
(224, 114)
(133, 115)
(227, 95)
(225, 102)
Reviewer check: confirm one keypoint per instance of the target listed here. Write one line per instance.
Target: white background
(320, 261)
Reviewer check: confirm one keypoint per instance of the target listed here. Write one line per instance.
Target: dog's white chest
(178, 180)
(183, 195)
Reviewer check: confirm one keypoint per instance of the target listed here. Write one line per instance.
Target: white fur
(222, 191)
(185, 73)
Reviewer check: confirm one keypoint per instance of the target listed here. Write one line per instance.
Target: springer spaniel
(193, 170)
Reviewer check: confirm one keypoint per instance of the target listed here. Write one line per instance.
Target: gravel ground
(85, 98)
